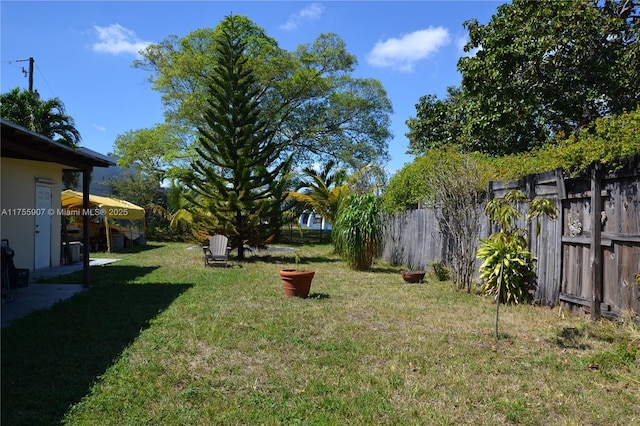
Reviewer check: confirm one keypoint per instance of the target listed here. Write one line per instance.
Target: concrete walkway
(35, 296)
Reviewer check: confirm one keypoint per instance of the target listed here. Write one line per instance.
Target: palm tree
(45, 117)
(322, 191)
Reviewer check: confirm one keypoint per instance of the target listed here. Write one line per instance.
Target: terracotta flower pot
(413, 276)
(296, 283)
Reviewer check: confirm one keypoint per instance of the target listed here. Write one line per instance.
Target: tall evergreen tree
(237, 174)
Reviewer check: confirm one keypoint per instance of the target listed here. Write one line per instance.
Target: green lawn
(161, 340)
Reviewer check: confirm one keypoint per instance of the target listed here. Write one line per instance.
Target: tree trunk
(240, 231)
(498, 299)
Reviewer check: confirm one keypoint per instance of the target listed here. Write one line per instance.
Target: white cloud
(98, 127)
(116, 39)
(309, 13)
(403, 53)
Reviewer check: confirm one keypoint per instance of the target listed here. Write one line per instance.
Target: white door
(43, 227)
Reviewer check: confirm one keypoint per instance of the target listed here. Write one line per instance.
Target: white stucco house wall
(30, 194)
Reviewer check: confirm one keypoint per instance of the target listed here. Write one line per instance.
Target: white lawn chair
(217, 252)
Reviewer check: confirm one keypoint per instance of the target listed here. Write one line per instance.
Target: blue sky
(83, 51)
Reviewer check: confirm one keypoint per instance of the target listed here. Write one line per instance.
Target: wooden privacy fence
(413, 239)
(588, 259)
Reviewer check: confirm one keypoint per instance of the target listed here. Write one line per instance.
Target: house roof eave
(22, 143)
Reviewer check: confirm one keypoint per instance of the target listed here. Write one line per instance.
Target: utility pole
(30, 72)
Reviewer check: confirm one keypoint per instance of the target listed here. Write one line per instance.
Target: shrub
(507, 263)
(507, 266)
(440, 270)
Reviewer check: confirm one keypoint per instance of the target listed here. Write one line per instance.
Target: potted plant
(296, 282)
(413, 276)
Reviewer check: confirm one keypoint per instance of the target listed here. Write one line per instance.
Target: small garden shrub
(441, 270)
(507, 263)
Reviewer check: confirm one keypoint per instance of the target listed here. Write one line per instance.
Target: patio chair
(217, 252)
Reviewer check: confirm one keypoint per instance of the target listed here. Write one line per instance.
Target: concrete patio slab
(56, 271)
(36, 296)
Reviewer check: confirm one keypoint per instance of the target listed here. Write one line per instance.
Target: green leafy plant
(507, 266)
(357, 231)
(507, 262)
(608, 141)
(440, 269)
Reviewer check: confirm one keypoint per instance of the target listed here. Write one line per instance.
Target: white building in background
(311, 219)
(101, 178)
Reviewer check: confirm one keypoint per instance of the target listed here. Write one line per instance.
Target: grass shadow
(305, 261)
(51, 358)
(309, 237)
(128, 250)
(318, 296)
(102, 274)
(386, 269)
(571, 338)
(141, 248)
(316, 259)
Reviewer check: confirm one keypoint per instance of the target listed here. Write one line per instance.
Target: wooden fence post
(596, 248)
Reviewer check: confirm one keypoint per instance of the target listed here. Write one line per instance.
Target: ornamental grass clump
(357, 233)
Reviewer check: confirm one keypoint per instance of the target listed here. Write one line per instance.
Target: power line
(45, 80)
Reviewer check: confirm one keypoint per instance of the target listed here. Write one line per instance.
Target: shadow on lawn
(141, 248)
(308, 237)
(305, 261)
(107, 274)
(51, 358)
(571, 338)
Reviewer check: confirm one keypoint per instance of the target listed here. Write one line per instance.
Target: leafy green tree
(437, 122)
(236, 177)
(541, 70)
(546, 67)
(314, 107)
(138, 188)
(154, 150)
